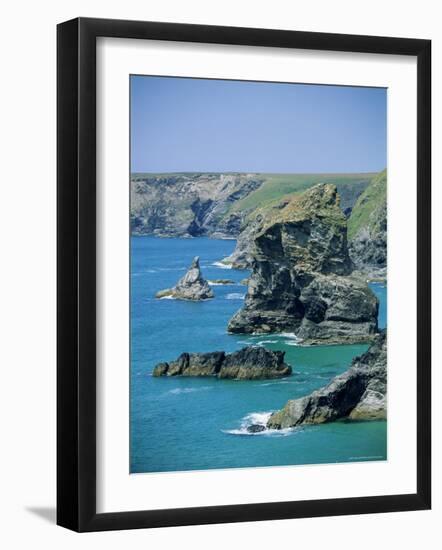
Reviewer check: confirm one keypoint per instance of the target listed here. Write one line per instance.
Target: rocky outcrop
(301, 277)
(254, 221)
(367, 229)
(360, 393)
(249, 363)
(192, 286)
(188, 205)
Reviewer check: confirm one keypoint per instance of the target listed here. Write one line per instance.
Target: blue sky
(198, 125)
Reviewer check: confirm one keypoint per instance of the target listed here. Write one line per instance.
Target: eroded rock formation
(249, 363)
(360, 393)
(192, 286)
(301, 276)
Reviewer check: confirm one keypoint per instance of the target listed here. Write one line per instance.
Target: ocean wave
(221, 265)
(260, 419)
(278, 382)
(235, 296)
(179, 391)
(167, 298)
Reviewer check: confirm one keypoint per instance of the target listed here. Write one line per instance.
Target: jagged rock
(254, 363)
(301, 278)
(249, 363)
(254, 221)
(360, 393)
(190, 287)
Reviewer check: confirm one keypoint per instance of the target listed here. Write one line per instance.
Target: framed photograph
(232, 205)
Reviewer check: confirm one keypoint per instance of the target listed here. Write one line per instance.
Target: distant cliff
(188, 205)
(221, 205)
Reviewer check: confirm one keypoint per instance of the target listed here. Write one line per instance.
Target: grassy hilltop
(277, 186)
(367, 210)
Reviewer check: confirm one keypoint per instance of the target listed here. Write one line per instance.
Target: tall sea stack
(302, 279)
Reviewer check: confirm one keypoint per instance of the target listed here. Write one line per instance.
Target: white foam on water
(221, 265)
(179, 391)
(235, 296)
(261, 419)
(221, 284)
(167, 298)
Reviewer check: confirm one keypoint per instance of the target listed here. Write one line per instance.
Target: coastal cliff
(220, 205)
(367, 228)
(188, 205)
(302, 278)
(249, 363)
(360, 393)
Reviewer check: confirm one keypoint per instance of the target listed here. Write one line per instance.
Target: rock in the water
(360, 393)
(249, 363)
(301, 279)
(256, 428)
(192, 286)
(216, 282)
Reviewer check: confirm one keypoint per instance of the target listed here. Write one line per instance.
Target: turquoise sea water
(199, 423)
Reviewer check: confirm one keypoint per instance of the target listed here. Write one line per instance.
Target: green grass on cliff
(277, 186)
(369, 202)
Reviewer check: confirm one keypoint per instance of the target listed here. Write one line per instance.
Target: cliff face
(301, 278)
(221, 205)
(367, 226)
(188, 205)
(360, 393)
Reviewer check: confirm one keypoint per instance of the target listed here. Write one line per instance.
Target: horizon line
(256, 172)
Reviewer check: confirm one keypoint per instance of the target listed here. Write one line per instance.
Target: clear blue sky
(192, 125)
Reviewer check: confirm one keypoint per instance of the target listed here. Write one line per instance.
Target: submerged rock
(301, 278)
(249, 363)
(221, 282)
(192, 286)
(256, 428)
(360, 393)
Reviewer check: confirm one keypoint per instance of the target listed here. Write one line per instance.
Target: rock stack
(192, 286)
(302, 279)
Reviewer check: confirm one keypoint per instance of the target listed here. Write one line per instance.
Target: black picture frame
(77, 286)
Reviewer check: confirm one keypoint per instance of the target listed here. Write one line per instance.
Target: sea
(181, 424)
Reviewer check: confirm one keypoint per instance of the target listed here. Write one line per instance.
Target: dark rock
(360, 393)
(249, 363)
(254, 363)
(192, 286)
(256, 428)
(221, 282)
(160, 369)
